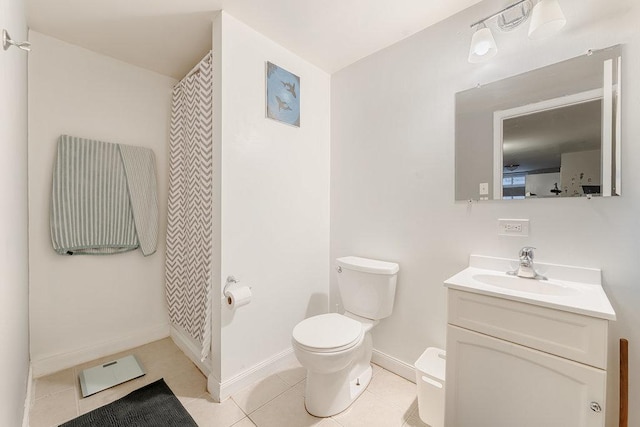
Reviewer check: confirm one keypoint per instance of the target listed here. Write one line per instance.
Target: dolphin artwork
(282, 105)
(291, 87)
(283, 95)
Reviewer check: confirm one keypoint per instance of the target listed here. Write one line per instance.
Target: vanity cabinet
(510, 363)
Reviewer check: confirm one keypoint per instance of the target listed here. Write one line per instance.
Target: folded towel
(104, 198)
(140, 168)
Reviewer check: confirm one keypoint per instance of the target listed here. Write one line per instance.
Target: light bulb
(483, 46)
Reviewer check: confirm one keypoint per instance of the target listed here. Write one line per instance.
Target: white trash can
(430, 368)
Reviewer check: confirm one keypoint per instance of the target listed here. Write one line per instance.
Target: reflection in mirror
(550, 144)
(551, 132)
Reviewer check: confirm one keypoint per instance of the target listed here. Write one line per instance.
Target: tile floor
(278, 400)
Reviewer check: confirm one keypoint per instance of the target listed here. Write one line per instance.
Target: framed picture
(283, 95)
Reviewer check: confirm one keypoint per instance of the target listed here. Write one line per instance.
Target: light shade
(546, 19)
(483, 46)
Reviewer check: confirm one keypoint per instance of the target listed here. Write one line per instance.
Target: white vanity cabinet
(515, 362)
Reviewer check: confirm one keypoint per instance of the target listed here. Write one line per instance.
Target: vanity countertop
(568, 288)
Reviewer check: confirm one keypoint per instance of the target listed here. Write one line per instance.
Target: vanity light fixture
(483, 45)
(546, 19)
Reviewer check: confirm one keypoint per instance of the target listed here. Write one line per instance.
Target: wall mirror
(552, 132)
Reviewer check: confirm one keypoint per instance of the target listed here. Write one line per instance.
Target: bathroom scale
(110, 374)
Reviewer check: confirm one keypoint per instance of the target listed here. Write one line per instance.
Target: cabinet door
(495, 383)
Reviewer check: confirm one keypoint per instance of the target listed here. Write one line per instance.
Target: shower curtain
(189, 228)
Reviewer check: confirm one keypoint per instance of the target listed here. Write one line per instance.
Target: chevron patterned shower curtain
(189, 228)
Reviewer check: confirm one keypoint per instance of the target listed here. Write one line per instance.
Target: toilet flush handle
(339, 269)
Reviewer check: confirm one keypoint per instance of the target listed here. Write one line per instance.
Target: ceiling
(170, 36)
(537, 141)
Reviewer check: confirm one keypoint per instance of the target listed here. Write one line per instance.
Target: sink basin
(531, 286)
(569, 288)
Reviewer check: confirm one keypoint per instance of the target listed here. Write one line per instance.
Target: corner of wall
(216, 256)
(29, 398)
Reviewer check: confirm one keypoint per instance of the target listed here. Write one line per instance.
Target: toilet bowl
(336, 348)
(336, 351)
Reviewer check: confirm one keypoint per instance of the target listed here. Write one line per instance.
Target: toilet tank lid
(368, 265)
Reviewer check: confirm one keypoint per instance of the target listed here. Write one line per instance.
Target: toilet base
(324, 398)
(329, 394)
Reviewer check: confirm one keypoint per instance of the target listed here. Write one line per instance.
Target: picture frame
(282, 95)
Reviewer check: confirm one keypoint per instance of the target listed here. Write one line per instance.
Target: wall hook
(8, 42)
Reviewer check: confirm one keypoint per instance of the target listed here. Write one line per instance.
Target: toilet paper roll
(238, 297)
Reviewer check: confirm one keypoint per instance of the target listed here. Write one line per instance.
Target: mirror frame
(475, 154)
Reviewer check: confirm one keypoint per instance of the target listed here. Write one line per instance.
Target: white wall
(14, 284)
(392, 175)
(83, 307)
(274, 196)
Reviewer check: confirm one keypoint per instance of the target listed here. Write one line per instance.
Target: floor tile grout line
(33, 408)
(270, 400)
(299, 381)
(411, 410)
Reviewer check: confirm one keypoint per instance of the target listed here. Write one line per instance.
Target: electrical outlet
(484, 189)
(513, 227)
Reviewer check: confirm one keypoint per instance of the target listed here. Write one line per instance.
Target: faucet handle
(527, 252)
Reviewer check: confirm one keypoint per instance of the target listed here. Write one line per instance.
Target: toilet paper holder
(230, 281)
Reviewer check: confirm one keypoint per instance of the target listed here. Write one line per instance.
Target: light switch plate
(513, 227)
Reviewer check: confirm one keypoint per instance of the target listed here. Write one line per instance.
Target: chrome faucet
(525, 268)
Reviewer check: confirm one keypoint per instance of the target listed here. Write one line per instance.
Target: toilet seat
(327, 333)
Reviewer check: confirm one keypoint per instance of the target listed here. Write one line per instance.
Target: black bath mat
(153, 405)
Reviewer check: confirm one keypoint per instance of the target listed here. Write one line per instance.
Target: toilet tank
(367, 286)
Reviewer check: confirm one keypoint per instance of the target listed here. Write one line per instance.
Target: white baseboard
(222, 390)
(190, 348)
(29, 397)
(394, 365)
(56, 362)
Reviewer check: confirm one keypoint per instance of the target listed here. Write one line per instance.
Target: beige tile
(160, 359)
(329, 422)
(167, 364)
(286, 410)
(187, 383)
(394, 390)
(208, 413)
(256, 395)
(160, 356)
(370, 410)
(55, 383)
(415, 421)
(54, 409)
(245, 422)
(293, 373)
(300, 388)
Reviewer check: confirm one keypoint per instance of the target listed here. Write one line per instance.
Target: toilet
(336, 348)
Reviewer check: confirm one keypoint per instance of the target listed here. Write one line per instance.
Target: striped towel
(104, 198)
